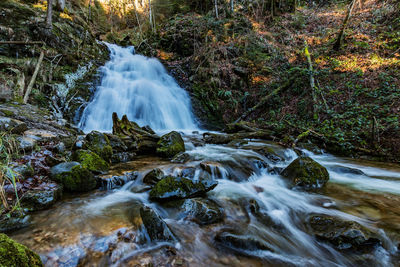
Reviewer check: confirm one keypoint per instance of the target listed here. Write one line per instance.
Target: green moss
(179, 187)
(13, 254)
(98, 143)
(306, 173)
(7, 113)
(170, 145)
(74, 177)
(91, 161)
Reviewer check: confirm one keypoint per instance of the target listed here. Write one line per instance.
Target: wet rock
(148, 129)
(41, 199)
(306, 173)
(346, 170)
(180, 187)
(15, 254)
(143, 140)
(181, 157)
(311, 147)
(41, 135)
(91, 161)
(219, 139)
(116, 143)
(274, 170)
(112, 182)
(212, 168)
(73, 176)
(154, 176)
(52, 161)
(170, 145)
(240, 243)
(122, 157)
(59, 148)
(99, 144)
(237, 143)
(202, 211)
(14, 221)
(24, 170)
(12, 125)
(269, 153)
(26, 143)
(185, 171)
(156, 228)
(342, 234)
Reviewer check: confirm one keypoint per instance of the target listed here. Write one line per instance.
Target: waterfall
(141, 88)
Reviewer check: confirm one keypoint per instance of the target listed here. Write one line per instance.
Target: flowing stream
(104, 228)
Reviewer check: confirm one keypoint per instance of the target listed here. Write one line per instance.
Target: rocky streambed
(136, 198)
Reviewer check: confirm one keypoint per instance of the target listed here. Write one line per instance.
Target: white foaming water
(141, 88)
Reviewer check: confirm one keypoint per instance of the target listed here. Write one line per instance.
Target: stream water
(104, 228)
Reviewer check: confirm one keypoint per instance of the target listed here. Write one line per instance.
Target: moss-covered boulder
(73, 176)
(156, 228)
(153, 176)
(91, 161)
(170, 145)
(343, 234)
(13, 254)
(306, 173)
(99, 144)
(179, 187)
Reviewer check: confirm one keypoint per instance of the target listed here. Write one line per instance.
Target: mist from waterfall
(141, 88)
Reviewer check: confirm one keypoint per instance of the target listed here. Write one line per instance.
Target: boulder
(14, 221)
(112, 182)
(156, 228)
(12, 125)
(26, 143)
(306, 173)
(73, 176)
(179, 187)
(98, 143)
(123, 157)
(91, 161)
(170, 145)
(15, 254)
(181, 157)
(202, 211)
(154, 176)
(35, 200)
(343, 234)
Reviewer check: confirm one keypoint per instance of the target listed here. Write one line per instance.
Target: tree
(49, 23)
(338, 42)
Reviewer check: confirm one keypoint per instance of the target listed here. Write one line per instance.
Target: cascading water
(141, 88)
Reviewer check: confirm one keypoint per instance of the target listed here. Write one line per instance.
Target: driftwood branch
(312, 79)
(31, 83)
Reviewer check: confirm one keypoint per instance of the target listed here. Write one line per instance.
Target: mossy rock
(306, 173)
(98, 143)
(153, 176)
(179, 187)
(13, 254)
(170, 145)
(35, 200)
(91, 161)
(73, 176)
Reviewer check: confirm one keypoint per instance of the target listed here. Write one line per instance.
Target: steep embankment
(71, 54)
(229, 64)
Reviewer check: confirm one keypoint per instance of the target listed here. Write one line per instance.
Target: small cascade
(141, 88)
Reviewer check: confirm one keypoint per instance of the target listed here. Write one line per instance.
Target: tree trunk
(49, 22)
(216, 8)
(60, 5)
(338, 42)
(312, 80)
(232, 6)
(32, 82)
